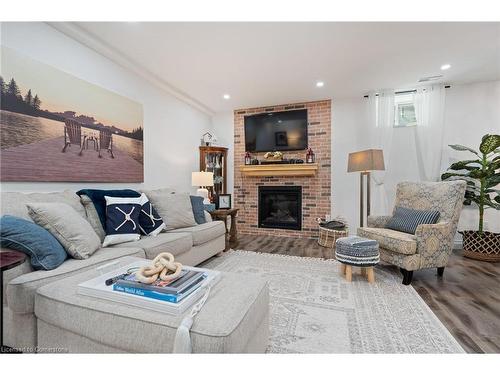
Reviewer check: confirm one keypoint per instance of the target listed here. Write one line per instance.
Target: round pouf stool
(358, 252)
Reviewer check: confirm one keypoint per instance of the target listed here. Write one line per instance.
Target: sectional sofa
(190, 245)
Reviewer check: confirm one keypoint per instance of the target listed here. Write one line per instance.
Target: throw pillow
(198, 209)
(174, 208)
(407, 220)
(97, 197)
(122, 220)
(45, 252)
(73, 232)
(149, 221)
(93, 216)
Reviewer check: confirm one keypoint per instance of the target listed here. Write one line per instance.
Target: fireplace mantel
(271, 170)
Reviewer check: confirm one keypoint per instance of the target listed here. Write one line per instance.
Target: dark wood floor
(466, 299)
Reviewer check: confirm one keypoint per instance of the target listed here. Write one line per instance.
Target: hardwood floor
(466, 299)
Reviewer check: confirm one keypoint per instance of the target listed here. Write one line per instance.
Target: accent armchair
(431, 245)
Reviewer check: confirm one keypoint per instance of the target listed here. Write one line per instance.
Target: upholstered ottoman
(359, 252)
(234, 319)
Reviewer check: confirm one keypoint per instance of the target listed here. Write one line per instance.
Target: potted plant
(482, 176)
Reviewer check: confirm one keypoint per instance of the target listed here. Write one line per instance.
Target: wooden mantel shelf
(272, 170)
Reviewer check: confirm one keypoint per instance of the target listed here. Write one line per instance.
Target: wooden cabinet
(214, 159)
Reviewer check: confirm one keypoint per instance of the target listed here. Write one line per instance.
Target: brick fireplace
(315, 190)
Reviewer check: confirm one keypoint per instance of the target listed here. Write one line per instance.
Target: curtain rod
(407, 92)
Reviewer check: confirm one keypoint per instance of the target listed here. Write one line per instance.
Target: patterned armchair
(431, 245)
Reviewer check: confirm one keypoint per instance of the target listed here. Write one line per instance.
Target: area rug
(314, 310)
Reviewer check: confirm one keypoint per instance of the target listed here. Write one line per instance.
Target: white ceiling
(273, 63)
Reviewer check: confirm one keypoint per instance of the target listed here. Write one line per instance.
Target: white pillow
(122, 220)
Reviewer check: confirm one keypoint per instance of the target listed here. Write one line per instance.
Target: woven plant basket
(484, 246)
(327, 237)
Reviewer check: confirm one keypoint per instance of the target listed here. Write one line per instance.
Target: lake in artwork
(56, 127)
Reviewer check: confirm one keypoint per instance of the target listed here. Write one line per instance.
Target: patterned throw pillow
(150, 222)
(407, 220)
(122, 220)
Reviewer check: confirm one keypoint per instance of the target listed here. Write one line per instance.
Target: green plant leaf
(465, 164)
(489, 143)
(493, 181)
(463, 148)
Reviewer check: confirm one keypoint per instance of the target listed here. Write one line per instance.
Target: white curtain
(381, 119)
(429, 112)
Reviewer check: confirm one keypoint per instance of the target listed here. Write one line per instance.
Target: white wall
(172, 128)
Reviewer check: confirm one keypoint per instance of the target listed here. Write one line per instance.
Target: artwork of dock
(43, 161)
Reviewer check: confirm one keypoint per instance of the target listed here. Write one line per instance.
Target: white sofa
(190, 246)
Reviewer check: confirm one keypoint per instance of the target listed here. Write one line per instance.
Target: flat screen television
(276, 131)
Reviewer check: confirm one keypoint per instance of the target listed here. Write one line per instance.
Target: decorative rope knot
(163, 267)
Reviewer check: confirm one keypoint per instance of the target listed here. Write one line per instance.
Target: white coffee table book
(97, 288)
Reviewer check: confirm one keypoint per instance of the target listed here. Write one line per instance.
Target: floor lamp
(364, 162)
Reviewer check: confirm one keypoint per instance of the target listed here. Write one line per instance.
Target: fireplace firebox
(280, 207)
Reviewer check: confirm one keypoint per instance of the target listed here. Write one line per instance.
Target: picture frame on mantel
(223, 202)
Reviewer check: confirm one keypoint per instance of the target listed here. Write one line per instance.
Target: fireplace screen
(280, 207)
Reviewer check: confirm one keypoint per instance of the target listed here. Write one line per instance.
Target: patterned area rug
(314, 310)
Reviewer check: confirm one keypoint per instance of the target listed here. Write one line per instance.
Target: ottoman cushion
(357, 251)
(229, 321)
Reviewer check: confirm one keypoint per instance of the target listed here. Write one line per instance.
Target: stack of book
(173, 291)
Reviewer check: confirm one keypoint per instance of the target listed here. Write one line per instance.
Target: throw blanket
(97, 198)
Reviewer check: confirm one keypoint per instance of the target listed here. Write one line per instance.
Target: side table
(8, 259)
(232, 234)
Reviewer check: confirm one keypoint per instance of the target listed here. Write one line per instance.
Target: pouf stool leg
(370, 275)
(348, 273)
(342, 269)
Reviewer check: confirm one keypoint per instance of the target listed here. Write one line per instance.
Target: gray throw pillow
(174, 208)
(92, 216)
(73, 232)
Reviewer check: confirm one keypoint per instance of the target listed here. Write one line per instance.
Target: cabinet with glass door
(214, 159)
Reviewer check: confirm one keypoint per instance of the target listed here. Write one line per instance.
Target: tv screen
(276, 131)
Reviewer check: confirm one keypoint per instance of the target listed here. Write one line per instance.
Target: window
(404, 110)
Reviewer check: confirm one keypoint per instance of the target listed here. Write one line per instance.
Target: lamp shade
(367, 160)
(202, 179)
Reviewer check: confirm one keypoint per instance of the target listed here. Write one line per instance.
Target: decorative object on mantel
(331, 230)
(248, 158)
(162, 267)
(202, 180)
(274, 156)
(364, 162)
(208, 139)
(482, 177)
(310, 157)
(214, 159)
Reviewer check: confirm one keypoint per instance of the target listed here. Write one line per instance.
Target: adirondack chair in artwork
(73, 135)
(106, 141)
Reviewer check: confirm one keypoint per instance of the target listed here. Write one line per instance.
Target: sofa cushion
(73, 232)
(21, 290)
(399, 242)
(174, 208)
(174, 243)
(15, 203)
(204, 232)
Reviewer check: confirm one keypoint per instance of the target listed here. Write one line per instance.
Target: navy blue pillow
(45, 251)
(122, 220)
(150, 222)
(198, 209)
(407, 220)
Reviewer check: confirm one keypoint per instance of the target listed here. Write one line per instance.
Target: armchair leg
(407, 276)
(440, 271)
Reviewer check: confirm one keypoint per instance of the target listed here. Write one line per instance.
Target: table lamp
(364, 162)
(202, 180)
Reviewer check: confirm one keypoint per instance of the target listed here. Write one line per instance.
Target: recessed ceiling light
(320, 84)
(226, 96)
(445, 67)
